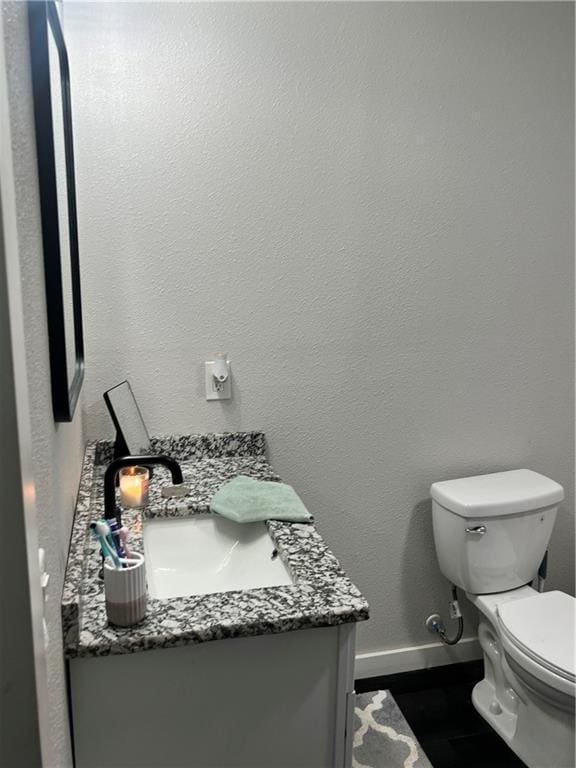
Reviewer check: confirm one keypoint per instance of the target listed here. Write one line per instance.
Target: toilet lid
(542, 626)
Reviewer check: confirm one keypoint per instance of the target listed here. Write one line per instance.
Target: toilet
(491, 533)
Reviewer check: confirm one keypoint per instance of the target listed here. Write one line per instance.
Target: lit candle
(134, 486)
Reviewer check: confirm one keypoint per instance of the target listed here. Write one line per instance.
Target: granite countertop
(322, 595)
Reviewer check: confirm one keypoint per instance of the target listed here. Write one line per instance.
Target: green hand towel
(246, 500)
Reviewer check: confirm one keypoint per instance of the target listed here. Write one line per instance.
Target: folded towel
(246, 500)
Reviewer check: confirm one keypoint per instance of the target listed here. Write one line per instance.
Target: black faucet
(110, 509)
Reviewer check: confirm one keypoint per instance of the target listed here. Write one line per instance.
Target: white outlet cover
(214, 389)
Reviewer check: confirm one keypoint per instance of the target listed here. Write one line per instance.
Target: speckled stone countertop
(322, 595)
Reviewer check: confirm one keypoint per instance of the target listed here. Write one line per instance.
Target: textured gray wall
(20, 729)
(57, 448)
(370, 206)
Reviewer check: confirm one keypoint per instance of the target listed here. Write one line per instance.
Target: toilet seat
(538, 634)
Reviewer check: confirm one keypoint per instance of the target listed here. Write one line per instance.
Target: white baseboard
(396, 660)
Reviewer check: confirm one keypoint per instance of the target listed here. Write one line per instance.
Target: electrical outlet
(217, 390)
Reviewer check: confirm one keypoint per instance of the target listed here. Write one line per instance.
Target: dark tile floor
(438, 706)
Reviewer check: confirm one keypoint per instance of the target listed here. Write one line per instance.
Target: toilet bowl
(528, 691)
(491, 532)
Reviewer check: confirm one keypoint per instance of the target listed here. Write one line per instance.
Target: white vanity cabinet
(269, 701)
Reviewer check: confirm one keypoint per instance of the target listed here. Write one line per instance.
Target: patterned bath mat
(382, 737)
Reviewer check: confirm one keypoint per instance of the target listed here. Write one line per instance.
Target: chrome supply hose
(459, 632)
(435, 623)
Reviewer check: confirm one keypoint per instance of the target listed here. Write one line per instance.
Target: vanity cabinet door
(272, 701)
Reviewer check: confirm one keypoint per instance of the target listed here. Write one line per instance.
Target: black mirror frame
(43, 19)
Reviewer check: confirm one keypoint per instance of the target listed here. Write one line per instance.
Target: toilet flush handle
(477, 530)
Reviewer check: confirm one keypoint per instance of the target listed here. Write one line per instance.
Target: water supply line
(435, 623)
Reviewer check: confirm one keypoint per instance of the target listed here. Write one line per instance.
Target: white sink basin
(202, 554)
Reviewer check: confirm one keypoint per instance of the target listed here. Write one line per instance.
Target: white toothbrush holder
(125, 591)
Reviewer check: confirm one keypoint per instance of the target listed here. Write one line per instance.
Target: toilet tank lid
(498, 494)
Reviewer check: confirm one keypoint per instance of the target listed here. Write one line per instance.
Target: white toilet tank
(491, 531)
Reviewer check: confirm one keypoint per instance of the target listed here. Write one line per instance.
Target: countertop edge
(228, 633)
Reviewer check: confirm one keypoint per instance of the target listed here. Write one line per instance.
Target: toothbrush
(108, 551)
(103, 528)
(124, 535)
(116, 540)
(104, 550)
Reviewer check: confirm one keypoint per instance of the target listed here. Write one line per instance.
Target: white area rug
(382, 737)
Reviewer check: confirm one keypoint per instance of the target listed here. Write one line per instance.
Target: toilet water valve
(435, 624)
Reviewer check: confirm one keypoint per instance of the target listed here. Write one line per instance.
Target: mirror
(132, 438)
(54, 146)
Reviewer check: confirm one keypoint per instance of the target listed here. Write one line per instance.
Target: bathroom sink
(203, 554)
